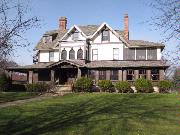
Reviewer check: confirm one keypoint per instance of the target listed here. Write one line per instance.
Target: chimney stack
(62, 23)
(126, 27)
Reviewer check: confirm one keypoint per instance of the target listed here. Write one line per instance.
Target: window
(72, 54)
(47, 39)
(95, 54)
(76, 35)
(140, 54)
(105, 35)
(114, 75)
(154, 74)
(129, 54)
(115, 53)
(142, 73)
(92, 74)
(152, 54)
(130, 74)
(51, 56)
(80, 54)
(64, 54)
(102, 75)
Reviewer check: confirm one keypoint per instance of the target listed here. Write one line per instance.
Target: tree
(167, 20)
(15, 21)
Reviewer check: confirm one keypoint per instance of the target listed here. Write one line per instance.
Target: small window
(80, 54)
(102, 75)
(94, 54)
(154, 74)
(142, 73)
(130, 74)
(114, 74)
(76, 35)
(72, 54)
(115, 53)
(105, 35)
(64, 54)
(51, 56)
(47, 39)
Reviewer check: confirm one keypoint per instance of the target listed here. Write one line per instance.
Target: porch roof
(132, 63)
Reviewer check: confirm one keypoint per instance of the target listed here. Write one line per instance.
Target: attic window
(47, 39)
(75, 35)
(105, 35)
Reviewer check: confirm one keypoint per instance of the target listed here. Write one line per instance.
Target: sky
(84, 12)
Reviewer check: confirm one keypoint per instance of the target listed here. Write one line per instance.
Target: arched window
(64, 54)
(72, 54)
(80, 54)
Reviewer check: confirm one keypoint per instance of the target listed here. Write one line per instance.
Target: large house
(96, 51)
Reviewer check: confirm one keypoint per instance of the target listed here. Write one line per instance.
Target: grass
(13, 96)
(94, 114)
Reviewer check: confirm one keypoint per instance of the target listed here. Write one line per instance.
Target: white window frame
(115, 53)
(94, 54)
(51, 56)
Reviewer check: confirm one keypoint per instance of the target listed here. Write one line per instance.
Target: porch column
(79, 73)
(30, 77)
(161, 74)
(136, 72)
(52, 75)
(120, 75)
(107, 74)
(10, 75)
(148, 74)
(124, 75)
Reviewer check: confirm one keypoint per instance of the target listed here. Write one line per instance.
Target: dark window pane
(64, 55)
(142, 73)
(105, 35)
(140, 54)
(129, 54)
(155, 74)
(72, 54)
(102, 75)
(80, 54)
(130, 74)
(152, 54)
(114, 75)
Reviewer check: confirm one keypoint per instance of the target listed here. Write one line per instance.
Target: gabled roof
(90, 31)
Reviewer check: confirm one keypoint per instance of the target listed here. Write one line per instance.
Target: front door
(67, 75)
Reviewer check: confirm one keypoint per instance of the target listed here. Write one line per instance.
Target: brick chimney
(126, 27)
(62, 23)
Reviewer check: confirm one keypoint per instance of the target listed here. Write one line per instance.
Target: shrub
(105, 85)
(4, 82)
(83, 84)
(164, 86)
(37, 87)
(143, 86)
(123, 87)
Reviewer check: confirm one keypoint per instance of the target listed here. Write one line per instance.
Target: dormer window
(47, 39)
(76, 35)
(105, 35)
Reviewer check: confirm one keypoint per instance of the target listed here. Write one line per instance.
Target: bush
(123, 87)
(83, 84)
(5, 82)
(164, 86)
(37, 87)
(143, 86)
(105, 85)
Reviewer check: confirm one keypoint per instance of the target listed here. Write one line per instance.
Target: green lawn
(13, 96)
(94, 114)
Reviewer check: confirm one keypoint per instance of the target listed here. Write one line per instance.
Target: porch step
(64, 89)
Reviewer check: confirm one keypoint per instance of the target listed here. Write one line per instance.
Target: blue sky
(83, 12)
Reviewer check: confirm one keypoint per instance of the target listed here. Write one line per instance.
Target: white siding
(105, 51)
(158, 53)
(44, 56)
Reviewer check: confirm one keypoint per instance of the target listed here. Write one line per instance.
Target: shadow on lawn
(88, 112)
